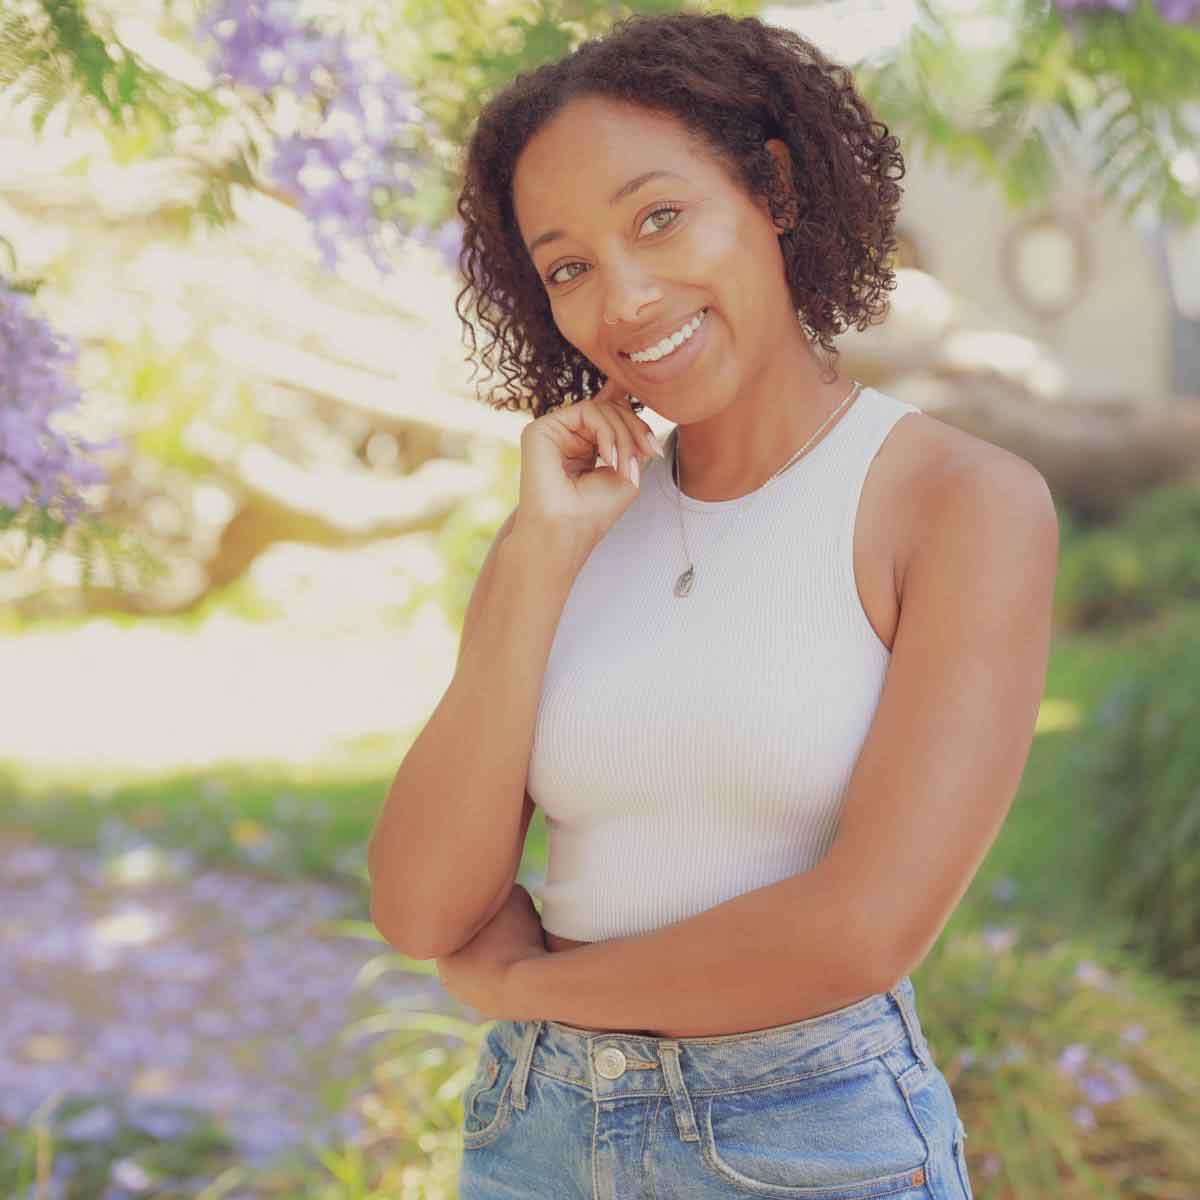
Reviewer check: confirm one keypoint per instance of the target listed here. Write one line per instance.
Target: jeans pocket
(486, 1104)
(842, 1134)
(960, 1160)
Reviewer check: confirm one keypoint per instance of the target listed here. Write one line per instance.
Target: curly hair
(733, 83)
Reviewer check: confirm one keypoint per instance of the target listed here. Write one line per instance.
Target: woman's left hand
(478, 973)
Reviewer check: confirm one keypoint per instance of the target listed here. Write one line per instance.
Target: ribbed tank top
(688, 750)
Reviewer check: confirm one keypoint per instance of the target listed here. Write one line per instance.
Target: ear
(778, 150)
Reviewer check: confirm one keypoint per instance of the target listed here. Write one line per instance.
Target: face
(650, 258)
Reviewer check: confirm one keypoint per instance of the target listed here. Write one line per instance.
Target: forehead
(587, 150)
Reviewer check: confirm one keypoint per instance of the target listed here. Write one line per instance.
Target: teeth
(663, 348)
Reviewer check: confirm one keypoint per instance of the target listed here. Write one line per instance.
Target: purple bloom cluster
(38, 465)
(1175, 11)
(1116, 5)
(1107, 1081)
(228, 987)
(362, 114)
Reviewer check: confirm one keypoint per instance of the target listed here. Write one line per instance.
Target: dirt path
(210, 989)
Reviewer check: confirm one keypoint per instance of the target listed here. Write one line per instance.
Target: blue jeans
(845, 1106)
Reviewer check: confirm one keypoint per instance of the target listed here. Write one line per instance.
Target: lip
(673, 364)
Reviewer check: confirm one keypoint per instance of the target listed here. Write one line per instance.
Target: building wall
(1115, 341)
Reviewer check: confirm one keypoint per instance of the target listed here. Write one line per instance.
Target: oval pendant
(683, 584)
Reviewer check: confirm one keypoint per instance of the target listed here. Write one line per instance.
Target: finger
(592, 428)
(628, 448)
(641, 433)
(615, 440)
(616, 443)
(645, 435)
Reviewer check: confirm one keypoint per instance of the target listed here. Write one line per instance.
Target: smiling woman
(768, 779)
(704, 119)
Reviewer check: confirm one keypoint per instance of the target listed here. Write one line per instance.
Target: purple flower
(1126, 1080)
(39, 465)
(1098, 1089)
(1092, 975)
(446, 239)
(448, 242)
(1178, 12)
(360, 143)
(1072, 1058)
(1115, 5)
(999, 939)
(258, 42)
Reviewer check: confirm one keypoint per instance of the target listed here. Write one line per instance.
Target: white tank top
(689, 750)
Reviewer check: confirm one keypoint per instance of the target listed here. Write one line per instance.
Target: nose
(627, 294)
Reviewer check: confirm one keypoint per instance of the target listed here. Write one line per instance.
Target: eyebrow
(626, 189)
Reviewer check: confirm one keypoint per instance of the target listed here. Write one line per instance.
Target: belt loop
(524, 1058)
(903, 995)
(685, 1118)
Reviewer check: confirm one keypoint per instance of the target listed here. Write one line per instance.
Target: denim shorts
(848, 1105)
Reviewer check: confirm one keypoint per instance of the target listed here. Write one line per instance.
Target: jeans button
(610, 1063)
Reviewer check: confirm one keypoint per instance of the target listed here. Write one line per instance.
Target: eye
(663, 208)
(550, 277)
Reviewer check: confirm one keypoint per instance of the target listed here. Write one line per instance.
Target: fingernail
(612, 457)
(633, 471)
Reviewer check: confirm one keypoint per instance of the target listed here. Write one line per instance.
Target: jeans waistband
(615, 1063)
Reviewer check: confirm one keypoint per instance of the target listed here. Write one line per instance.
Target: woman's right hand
(564, 493)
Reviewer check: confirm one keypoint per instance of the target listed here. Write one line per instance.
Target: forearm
(768, 957)
(446, 841)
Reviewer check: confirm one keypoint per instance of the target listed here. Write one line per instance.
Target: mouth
(677, 359)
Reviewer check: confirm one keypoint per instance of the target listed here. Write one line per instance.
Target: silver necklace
(683, 585)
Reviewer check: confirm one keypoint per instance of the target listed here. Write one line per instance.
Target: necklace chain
(683, 585)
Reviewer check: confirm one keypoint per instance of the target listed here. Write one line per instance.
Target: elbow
(421, 941)
(398, 932)
(390, 928)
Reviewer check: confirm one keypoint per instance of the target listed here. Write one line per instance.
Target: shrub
(1101, 580)
(1165, 523)
(1138, 763)
(1074, 1072)
(1137, 567)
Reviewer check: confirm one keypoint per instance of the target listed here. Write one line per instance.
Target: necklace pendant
(683, 584)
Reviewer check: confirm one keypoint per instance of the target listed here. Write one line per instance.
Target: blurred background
(247, 482)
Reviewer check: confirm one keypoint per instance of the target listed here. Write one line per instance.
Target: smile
(669, 344)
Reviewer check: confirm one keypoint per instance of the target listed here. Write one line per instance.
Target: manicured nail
(633, 472)
(612, 457)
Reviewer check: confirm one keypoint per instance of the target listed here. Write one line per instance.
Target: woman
(774, 690)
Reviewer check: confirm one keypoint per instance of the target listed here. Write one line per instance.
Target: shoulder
(960, 487)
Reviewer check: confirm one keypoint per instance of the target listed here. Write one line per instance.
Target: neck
(724, 477)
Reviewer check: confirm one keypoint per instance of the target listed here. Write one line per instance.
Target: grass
(313, 821)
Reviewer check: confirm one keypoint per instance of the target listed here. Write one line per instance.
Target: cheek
(736, 260)
(717, 251)
(568, 321)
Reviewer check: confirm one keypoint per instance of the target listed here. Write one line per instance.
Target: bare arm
(447, 846)
(777, 954)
